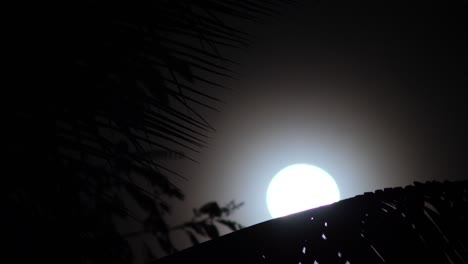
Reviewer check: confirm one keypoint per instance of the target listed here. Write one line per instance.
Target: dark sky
(372, 92)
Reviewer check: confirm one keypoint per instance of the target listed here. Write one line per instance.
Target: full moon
(300, 187)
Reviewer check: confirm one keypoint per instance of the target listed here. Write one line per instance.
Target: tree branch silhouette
(115, 96)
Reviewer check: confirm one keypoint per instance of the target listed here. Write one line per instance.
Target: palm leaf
(121, 86)
(421, 223)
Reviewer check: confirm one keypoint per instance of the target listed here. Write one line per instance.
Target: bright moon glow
(300, 187)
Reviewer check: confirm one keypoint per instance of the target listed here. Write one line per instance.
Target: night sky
(371, 92)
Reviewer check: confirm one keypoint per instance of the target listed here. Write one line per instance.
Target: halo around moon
(300, 187)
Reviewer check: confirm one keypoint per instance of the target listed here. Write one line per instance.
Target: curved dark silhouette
(421, 223)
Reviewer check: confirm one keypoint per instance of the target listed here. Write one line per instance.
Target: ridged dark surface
(420, 223)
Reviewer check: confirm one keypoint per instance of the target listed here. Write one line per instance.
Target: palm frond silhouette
(421, 223)
(115, 97)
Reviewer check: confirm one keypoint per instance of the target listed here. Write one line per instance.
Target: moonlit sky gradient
(372, 93)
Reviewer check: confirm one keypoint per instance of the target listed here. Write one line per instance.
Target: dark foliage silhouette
(205, 220)
(111, 92)
(421, 223)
